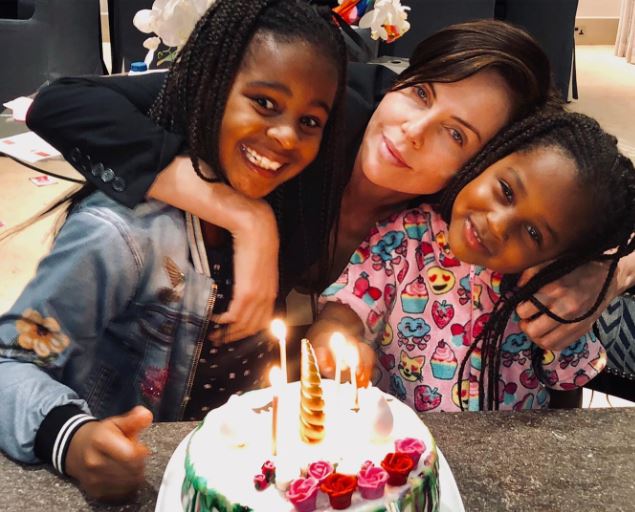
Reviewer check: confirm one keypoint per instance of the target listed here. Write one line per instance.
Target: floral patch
(153, 383)
(41, 335)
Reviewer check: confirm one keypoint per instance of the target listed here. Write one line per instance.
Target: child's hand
(326, 362)
(255, 276)
(106, 456)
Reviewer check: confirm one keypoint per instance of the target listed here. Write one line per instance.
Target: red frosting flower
(320, 470)
(260, 482)
(302, 493)
(269, 470)
(398, 465)
(411, 447)
(340, 489)
(371, 481)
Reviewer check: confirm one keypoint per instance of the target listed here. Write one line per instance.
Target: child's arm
(100, 125)
(255, 235)
(359, 303)
(89, 276)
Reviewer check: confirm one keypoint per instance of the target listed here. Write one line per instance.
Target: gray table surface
(565, 460)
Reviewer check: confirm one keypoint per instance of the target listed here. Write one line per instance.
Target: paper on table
(43, 180)
(28, 147)
(19, 106)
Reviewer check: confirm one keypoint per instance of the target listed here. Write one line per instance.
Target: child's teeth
(261, 161)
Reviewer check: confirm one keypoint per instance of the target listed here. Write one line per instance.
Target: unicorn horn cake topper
(312, 416)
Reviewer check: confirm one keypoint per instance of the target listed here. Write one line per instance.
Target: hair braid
(608, 237)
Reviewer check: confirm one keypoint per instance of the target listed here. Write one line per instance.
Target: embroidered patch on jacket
(41, 335)
(153, 383)
(177, 281)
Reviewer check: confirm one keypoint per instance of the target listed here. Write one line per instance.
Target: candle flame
(278, 329)
(337, 343)
(275, 376)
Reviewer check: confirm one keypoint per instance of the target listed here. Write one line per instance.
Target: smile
(473, 238)
(391, 153)
(260, 160)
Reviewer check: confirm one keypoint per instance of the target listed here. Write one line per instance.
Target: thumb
(133, 422)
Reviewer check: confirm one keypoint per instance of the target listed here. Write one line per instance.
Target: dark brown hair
(462, 50)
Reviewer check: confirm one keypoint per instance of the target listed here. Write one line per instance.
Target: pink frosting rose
(302, 493)
(411, 447)
(371, 481)
(320, 470)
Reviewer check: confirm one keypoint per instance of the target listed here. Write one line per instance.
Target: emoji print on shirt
(410, 368)
(441, 280)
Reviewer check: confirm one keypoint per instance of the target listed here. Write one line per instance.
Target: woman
(463, 85)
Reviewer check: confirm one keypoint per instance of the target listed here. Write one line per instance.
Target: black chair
(552, 23)
(428, 16)
(62, 37)
(616, 330)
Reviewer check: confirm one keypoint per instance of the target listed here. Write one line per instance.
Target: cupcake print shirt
(422, 308)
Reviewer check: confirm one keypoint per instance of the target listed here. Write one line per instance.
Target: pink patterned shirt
(422, 308)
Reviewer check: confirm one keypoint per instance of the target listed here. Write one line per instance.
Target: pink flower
(411, 447)
(302, 493)
(320, 470)
(260, 482)
(371, 481)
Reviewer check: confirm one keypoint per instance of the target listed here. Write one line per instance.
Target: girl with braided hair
(113, 328)
(431, 293)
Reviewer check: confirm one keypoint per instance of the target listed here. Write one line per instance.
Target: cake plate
(169, 499)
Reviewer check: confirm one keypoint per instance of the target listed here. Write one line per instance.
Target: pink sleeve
(367, 284)
(574, 366)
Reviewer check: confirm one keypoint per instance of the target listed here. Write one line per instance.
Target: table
(565, 460)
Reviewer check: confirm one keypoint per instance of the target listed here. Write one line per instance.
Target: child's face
(275, 115)
(419, 137)
(525, 209)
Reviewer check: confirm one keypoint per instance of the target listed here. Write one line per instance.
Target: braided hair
(608, 237)
(195, 93)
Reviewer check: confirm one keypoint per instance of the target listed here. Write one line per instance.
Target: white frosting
(351, 438)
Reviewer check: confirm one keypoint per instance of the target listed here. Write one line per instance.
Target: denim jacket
(125, 313)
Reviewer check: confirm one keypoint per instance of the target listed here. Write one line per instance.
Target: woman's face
(525, 209)
(419, 137)
(275, 116)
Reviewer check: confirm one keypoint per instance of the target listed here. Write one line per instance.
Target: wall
(596, 21)
(598, 8)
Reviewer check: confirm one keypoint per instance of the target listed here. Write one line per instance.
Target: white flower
(152, 43)
(387, 20)
(171, 20)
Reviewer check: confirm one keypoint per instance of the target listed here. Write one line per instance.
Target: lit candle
(353, 361)
(274, 379)
(279, 330)
(338, 345)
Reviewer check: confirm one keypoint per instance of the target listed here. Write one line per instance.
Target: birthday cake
(330, 447)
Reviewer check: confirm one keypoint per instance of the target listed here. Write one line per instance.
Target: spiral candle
(311, 401)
